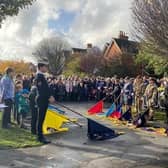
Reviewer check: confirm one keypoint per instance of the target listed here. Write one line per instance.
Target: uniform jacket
(44, 91)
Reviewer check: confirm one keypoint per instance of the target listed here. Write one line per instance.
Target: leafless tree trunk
(55, 51)
(90, 63)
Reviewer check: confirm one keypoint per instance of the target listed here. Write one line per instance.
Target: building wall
(112, 52)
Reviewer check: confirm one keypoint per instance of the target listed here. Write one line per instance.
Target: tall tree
(151, 63)
(12, 7)
(151, 24)
(55, 50)
(90, 63)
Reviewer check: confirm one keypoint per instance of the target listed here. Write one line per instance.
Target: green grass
(16, 137)
(158, 114)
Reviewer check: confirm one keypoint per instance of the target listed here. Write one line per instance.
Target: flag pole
(70, 109)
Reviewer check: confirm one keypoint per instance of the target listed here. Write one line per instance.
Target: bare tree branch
(151, 23)
(53, 50)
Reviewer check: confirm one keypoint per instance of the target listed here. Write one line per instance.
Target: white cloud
(97, 21)
(100, 20)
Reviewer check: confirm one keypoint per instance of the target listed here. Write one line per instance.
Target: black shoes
(44, 140)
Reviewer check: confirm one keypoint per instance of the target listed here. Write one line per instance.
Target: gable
(112, 51)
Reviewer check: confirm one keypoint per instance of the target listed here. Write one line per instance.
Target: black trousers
(42, 109)
(34, 118)
(6, 116)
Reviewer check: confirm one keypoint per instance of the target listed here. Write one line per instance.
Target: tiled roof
(127, 45)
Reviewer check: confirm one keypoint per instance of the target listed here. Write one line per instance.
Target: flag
(127, 115)
(118, 113)
(97, 108)
(111, 110)
(97, 131)
(141, 119)
(108, 112)
(54, 108)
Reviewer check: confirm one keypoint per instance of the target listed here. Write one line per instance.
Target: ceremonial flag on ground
(127, 115)
(54, 108)
(109, 111)
(97, 108)
(97, 131)
(141, 119)
(118, 113)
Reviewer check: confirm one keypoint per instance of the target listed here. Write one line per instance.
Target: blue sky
(79, 21)
(64, 22)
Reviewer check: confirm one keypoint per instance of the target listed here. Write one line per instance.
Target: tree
(151, 24)
(12, 7)
(151, 63)
(55, 50)
(91, 62)
(18, 66)
(72, 66)
(117, 67)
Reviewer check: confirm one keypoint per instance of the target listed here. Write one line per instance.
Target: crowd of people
(22, 92)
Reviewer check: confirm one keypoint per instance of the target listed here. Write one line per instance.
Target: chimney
(89, 45)
(122, 35)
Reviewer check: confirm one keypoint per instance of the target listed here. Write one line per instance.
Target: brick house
(121, 49)
(81, 51)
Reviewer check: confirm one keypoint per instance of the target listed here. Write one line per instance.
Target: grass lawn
(158, 114)
(16, 137)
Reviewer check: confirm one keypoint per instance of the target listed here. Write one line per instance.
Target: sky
(78, 21)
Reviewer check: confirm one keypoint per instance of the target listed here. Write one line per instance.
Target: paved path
(73, 150)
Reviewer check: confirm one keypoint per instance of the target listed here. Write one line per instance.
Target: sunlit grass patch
(16, 137)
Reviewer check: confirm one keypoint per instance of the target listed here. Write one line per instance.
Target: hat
(43, 62)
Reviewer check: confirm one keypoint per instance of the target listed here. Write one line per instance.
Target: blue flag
(127, 115)
(54, 108)
(109, 111)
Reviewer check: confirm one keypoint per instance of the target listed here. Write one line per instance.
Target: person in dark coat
(117, 92)
(33, 108)
(43, 98)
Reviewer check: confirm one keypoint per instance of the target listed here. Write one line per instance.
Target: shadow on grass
(16, 137)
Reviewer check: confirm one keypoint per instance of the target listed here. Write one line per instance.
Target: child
(17, 83)
(23, 105)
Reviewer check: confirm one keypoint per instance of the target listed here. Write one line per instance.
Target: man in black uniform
(43, 98)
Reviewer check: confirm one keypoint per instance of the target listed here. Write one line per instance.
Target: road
(73, 149)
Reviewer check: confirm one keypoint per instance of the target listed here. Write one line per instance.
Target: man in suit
(44, 96)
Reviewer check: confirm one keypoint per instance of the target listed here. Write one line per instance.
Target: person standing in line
(138, 82)
(33, 107)
(128, 94)
(7, 96)
(151, 94)
(43, 98)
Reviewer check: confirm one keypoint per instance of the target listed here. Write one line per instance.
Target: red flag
(97, 108)
(116, 114)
